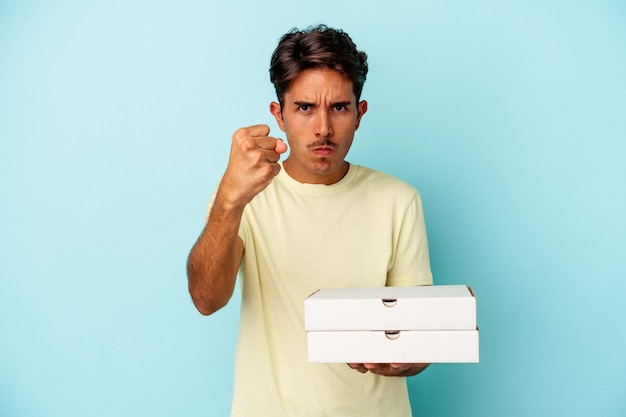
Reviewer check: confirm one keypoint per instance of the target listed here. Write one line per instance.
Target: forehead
(321, 83)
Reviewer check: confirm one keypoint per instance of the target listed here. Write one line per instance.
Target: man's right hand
(253, 164)
(215, 258)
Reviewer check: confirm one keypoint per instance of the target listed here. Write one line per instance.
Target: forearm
(214, 259)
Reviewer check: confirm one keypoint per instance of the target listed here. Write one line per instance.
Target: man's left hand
(389, 369)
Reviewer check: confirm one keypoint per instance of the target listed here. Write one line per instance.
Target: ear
(277, 112)
(361, 110)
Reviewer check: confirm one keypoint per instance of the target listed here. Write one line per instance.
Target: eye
(304, 107)
(339, 107)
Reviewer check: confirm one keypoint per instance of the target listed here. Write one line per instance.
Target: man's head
(317, 47)
(319, 76)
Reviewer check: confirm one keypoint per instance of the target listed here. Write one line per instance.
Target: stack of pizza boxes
(423, 324)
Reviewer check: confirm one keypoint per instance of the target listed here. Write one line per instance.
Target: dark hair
(316, 47)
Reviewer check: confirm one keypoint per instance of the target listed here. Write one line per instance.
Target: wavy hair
(316, 47)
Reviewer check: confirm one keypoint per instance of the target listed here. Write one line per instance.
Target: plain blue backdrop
(115, 124)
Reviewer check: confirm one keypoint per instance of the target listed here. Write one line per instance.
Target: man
(315, 221)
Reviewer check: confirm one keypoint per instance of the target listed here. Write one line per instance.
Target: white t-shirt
(365, 230)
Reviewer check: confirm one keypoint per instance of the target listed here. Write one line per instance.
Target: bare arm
(214, 259)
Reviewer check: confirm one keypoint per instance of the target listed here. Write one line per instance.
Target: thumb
(280, 147)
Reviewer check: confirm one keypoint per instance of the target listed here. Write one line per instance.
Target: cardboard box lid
(438, 307)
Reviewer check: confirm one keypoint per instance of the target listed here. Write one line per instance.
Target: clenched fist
(252, 165)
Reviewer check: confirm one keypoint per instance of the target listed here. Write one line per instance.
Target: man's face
(319, 116)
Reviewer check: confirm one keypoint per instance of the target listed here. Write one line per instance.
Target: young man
(315, 221)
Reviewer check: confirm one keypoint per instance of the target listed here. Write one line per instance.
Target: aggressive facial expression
(319, 116)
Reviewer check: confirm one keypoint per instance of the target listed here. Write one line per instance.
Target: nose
(323, 126)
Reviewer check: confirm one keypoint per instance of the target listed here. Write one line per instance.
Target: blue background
(115, 125)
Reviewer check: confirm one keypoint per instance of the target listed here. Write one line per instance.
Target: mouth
(323, 149)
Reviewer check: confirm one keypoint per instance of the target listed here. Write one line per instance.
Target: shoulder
(380, 182)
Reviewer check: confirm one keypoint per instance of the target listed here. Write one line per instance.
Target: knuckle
(267, 171)
(248, 145)
(240, 134)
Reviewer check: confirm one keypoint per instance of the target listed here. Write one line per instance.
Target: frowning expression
(319, 116)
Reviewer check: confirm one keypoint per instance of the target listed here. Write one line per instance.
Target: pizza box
(438, 307)
(412, 346)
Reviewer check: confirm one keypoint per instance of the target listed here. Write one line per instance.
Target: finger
(267, 143)
(280, 147)
(245, 133)
(258, 130)
(358, 367)
(277, 146)
(263, 146)
(271, 156)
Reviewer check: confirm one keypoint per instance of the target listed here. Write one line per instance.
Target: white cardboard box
(432, 346)
(426, 324)
(439, 307)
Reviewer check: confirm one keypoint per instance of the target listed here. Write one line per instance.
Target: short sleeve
(411, 262)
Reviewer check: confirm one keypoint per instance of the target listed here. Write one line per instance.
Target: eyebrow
(306, 103)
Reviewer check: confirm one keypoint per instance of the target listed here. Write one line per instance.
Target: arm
(214, 259)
